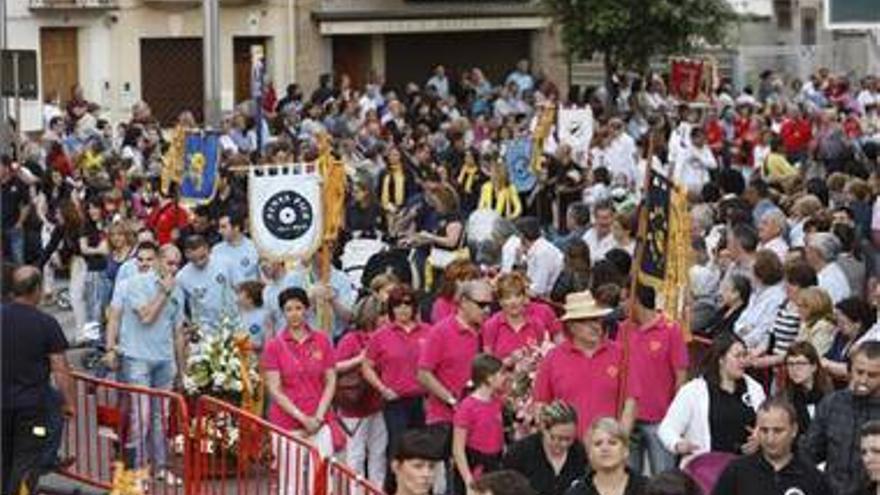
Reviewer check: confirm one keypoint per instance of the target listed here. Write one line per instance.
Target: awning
(428, 21)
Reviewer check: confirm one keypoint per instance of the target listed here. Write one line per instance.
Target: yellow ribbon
(395, 174)
(467, 175)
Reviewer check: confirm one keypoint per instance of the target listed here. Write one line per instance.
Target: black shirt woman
(807, 382)
(608, 451)
(735, 293)
(716, 411)
(553, 458)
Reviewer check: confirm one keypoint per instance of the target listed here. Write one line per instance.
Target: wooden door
(352, 55)
(242, 60)
(172, 79)
(59, 62)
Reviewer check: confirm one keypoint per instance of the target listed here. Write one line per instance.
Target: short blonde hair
(610, 426)
(817, 304)
(511, 284)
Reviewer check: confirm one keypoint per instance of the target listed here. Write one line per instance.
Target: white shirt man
(693, 163)
(544, 263)
(599, 237)
(621, 156)
(833, 280)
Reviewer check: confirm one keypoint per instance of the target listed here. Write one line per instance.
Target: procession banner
(518, 159)
(575, 127)
(686, 78)
(286, 213)
(201, 154)
(655, 226)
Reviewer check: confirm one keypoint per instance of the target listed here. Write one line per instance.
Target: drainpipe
(291, 41)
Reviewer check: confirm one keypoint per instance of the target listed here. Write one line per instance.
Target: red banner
(685, 78)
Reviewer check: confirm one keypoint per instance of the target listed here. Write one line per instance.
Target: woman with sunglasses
(391, 363)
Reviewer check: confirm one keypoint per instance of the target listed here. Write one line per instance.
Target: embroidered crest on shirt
(612, 371)
(655, 345)
(245, 262)
(220, 278)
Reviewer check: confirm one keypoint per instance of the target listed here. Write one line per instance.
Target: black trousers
(26, 433)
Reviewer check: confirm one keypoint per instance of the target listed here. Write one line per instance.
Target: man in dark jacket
(775, 469)
(833, 436)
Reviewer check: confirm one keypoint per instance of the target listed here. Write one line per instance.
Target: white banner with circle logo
(286, 213)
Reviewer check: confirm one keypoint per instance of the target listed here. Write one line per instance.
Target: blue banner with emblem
(654, 230)
(201, 157)
(518, 159)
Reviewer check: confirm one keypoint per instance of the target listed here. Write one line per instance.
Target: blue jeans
(96, 290)
(645, 439)
(13, 245)
(147, 415)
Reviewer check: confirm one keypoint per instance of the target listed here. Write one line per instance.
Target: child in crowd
(254, 315)
(478, 430)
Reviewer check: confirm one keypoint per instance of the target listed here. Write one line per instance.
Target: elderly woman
(608, 449)
(756, 321)
(771, 229)
(553, 458)
(821, 253)
(298, 364)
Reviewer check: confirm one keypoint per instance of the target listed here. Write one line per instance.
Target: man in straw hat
(585, 369)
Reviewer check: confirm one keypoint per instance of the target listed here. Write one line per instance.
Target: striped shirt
(786, 327)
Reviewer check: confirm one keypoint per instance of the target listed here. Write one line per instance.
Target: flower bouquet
(520, 404)
(221, 364)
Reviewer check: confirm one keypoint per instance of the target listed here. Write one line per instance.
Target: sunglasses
(485, 306)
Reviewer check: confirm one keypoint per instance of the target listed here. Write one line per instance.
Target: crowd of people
(782, 182)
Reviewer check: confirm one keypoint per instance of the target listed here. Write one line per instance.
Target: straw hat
(582, 306)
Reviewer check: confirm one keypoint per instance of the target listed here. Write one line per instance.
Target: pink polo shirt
(543, 313)
(656, 353)
(484, 424)
(350, 346)
(443, 308)
(589, 384)
(394, 353)
(302, 366)
(448, 353)
(501, 340)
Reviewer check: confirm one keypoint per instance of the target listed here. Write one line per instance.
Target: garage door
(171, 77)
(410, 57)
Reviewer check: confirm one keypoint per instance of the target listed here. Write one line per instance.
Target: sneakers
(169, 478)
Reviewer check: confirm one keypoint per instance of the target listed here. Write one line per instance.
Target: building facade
(122, 51)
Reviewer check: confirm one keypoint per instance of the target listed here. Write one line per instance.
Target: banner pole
(634, 279)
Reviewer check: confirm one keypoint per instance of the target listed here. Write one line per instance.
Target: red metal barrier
(234, 451)
(342, 480)
(143, 427)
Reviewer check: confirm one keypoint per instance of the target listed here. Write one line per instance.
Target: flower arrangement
(220, 364)
(520, 402)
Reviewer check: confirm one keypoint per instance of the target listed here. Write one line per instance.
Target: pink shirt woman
(299, 369)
